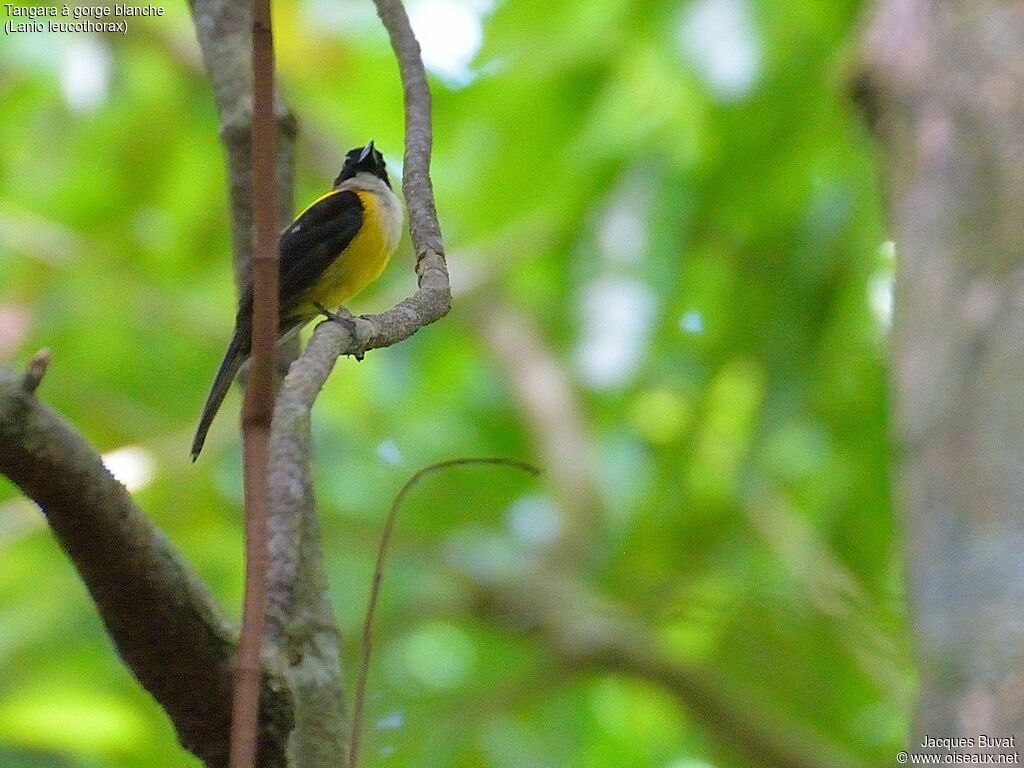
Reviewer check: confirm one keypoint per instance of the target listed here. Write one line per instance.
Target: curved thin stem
(378, 576)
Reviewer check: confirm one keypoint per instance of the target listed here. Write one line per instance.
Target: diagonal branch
(588, 634)
(163, 622)
(552, 412)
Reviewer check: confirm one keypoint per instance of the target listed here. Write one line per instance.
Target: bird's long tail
(233, 359)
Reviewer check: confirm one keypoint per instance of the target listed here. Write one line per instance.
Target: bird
(335, 248)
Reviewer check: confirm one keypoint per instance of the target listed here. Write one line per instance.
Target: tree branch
(589, 634)
(224, 31)
(419, 139)
(299, 613)
(301, 627)
(551, 409)
(433, 296)
(164, 624)
(301, 632)
(304, 628)
(258, 408)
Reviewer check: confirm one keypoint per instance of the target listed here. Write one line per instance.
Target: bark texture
(944, 86)
(162, 621)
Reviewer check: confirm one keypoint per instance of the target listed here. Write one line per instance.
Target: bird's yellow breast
(362, 261)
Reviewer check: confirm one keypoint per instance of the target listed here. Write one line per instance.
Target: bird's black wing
(307, 247)
(312, 242)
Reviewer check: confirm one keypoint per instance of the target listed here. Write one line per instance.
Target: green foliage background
(700, 255)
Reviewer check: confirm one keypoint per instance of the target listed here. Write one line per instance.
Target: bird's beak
(367, 152)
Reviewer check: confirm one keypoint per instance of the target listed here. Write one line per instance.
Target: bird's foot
(345, 318)
(337, 317)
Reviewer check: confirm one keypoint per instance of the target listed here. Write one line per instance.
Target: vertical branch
(259, 397)
(223, 29)
(419, 193)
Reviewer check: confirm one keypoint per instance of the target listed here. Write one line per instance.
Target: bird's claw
(347, 321)
(335, 316)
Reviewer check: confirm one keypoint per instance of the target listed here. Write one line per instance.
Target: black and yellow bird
(333, 250)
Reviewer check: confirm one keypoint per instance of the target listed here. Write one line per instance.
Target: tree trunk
(944, 84)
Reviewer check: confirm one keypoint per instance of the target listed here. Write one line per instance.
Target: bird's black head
(366, 160)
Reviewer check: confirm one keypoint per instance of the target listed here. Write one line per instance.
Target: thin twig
(423, 224)
(258, 408)
(378, 577)
(36, 370)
